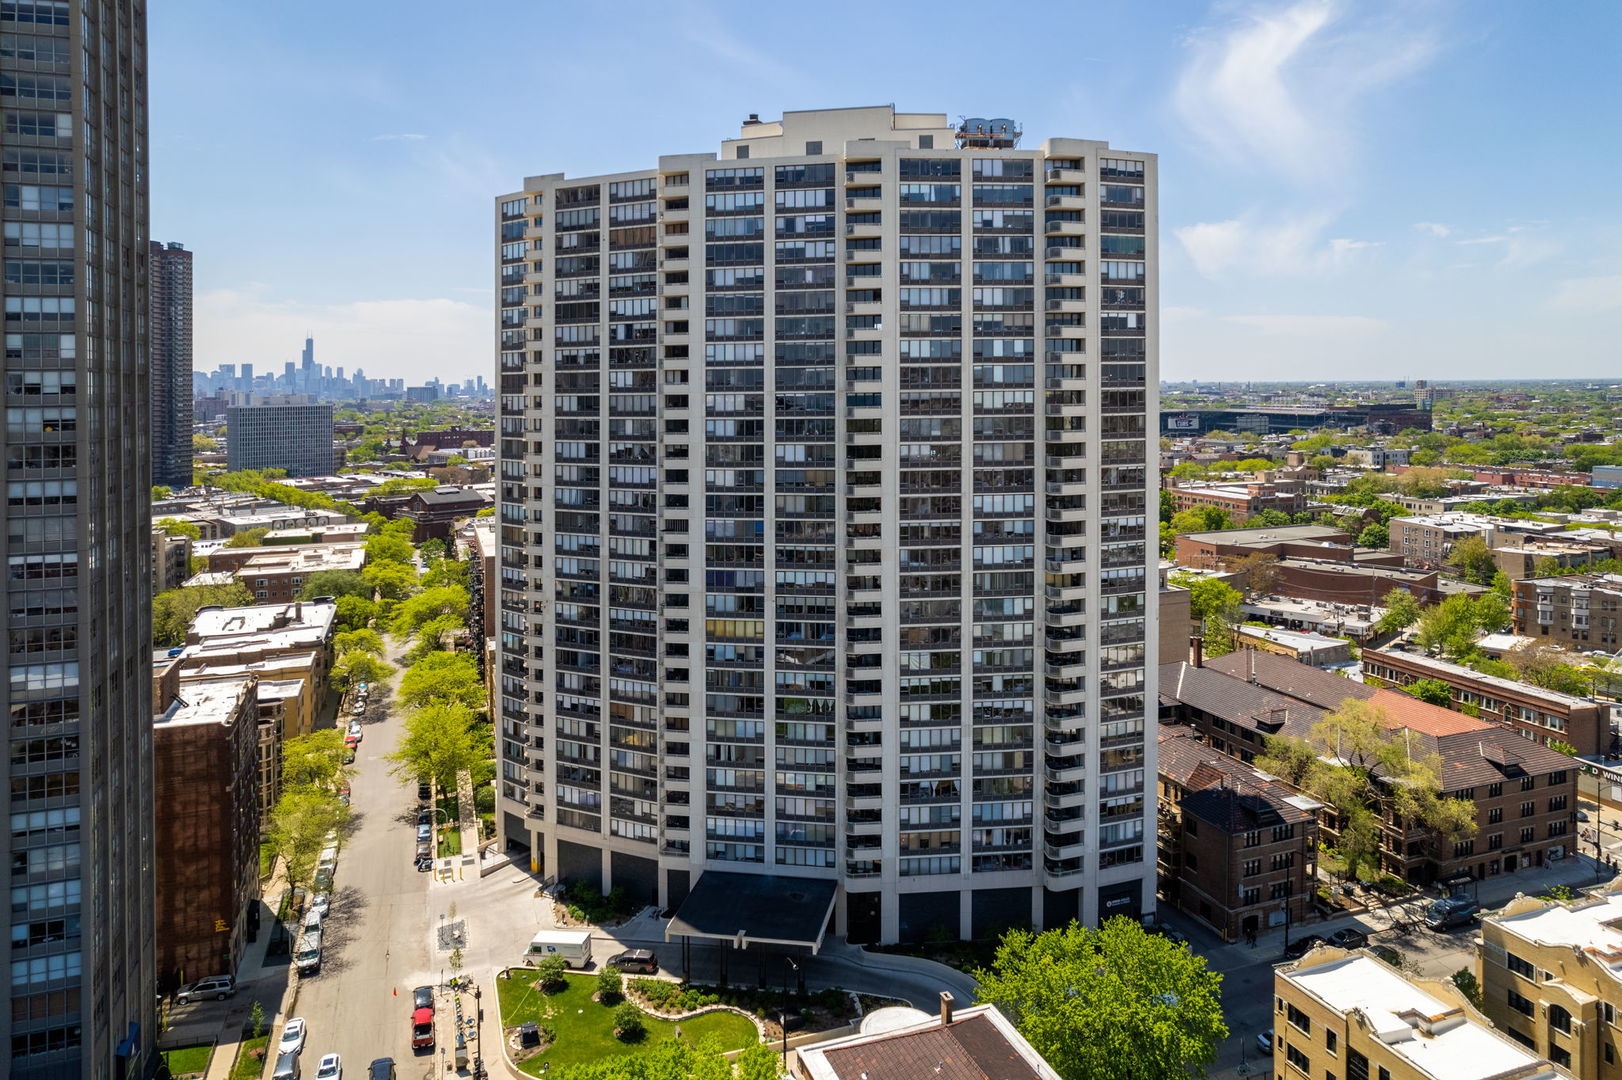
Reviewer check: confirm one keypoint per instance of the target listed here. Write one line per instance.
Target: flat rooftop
(1271, 535)
(215, 701)
(263, 619)
(1459, 671)
(1437, 1038)
(1588, 927)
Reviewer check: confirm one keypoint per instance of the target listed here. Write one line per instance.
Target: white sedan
(331, 1068)
(292, 1040)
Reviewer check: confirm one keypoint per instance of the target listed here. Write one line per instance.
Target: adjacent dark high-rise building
(79, 959)
(169, 292)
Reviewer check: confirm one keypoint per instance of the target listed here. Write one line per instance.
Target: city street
(375, 940)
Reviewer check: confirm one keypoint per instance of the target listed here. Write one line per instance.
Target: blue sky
(1420, 189)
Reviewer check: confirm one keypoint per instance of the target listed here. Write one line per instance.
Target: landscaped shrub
(672, 997)
(610, 985)
(549, 972)
(585, 904)
(628, 1021)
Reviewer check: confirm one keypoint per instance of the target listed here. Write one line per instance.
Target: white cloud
(1279, 86)
(1602, 293)
(409, 339)
(1281, 247)
(405, 137)
(1311, 326)
(1435, 228)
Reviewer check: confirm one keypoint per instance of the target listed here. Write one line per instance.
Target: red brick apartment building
(205, 748)
(1544, 716)
(1238, 849)
(1525, 794)
(1242, 501)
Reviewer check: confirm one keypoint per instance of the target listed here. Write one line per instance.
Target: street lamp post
(782, 1025)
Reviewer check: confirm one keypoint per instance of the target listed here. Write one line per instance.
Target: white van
(573, 945)
(307, 957)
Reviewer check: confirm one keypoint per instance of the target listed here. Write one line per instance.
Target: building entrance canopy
(755, 908)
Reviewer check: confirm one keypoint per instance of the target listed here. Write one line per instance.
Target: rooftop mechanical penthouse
(824, 538)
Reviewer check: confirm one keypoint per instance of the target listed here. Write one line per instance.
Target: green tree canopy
(336, 583)
(442, 677)
(388, 547)
(392, 580)
(1431, 691)
(173, 609)
(247, 538)
(313, 760)
(298, 828)
(676, 1059)
(1453, 626)
(1401, 611)
(441, 740)
(1115, 1003)
(354, 612)
(173, 527)
(363, 640)
(1473, 559)
(415, 613)
(1374, 536)
(359, 666)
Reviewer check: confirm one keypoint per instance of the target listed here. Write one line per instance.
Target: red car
(422, 1029)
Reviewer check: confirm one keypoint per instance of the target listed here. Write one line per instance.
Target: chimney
(298, 610)
(946, 1008)
(754, 118)
(1196, 651)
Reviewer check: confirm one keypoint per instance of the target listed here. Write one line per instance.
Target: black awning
(747, 908)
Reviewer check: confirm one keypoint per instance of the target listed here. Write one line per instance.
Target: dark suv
(635, 961)
(381, 1069)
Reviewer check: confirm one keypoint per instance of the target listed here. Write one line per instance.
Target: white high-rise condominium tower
(825, 526)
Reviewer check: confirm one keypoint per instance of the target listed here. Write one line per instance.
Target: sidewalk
(1576, 873)
(274, 987)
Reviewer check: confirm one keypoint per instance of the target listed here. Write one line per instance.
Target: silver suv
(218, 987)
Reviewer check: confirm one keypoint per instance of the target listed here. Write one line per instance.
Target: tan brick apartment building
(1216, 550)
(1551, 974)
(205, 749)
(1426, 540)
(1525, 794)
(1238, 849)
(1348, 1016)
(1580, 610)
(1544, 716)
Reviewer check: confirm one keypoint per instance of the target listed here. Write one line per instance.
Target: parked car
(380, 1069)
(1264, 1042)
(1301, 946)
(218, 987)
(349, 755)
(331, 1068)
(422, 997)
(1349, 938)
(355, 728)
(425, 863)
(422, 1029)
(322, 903)
(1166, 930)
(1451, 912)
(1388, 954)
(635, 961)
(423, 794)
(307, 957)
(1582, 815)
(287, 1068)
(425, 816)
(323, 880)
(292, 1040)
(425, 832)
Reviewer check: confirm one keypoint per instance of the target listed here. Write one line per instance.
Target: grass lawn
(585, 1029)
(267, 857)
(450, 842)
(188, 1060)
(248, 1067)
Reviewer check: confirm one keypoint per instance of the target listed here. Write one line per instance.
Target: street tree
(357, 666)
(358, 641)
(1453, 626)
(1401, 611)
(1259, 571)
(1214, 605)
(355, 612)
(435, 634)
(392, 580)
(299, 824)
(313, 760)
(174, 609)
(440, 741)
(1112, 1003)
(388, 547)
(442, 677)
(414, 613)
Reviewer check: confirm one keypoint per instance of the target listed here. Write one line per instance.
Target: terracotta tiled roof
(1408, 711)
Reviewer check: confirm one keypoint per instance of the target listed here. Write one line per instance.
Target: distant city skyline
(1417, 190)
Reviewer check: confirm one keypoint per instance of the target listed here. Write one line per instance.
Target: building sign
(1181, 423)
